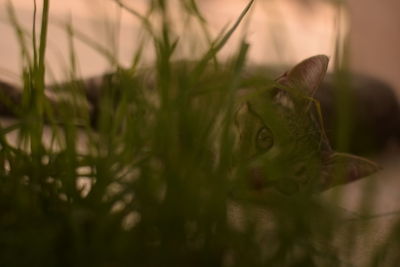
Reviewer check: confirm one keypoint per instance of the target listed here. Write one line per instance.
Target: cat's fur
(371, 111)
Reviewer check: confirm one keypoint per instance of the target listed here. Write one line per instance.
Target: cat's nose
(257, 178)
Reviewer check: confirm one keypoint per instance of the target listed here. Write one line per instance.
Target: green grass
(166, 188)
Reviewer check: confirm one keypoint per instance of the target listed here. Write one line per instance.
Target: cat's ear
(342, 168)
(307, 75)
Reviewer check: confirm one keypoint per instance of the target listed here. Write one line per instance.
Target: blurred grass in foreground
(153, 185)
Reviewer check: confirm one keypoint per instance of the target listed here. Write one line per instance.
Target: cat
(279, 129)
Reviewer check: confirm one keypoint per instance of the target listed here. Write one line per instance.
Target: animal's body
(368, 108)
(371, 111)
(281, 141)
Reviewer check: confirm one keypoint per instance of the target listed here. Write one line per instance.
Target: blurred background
(279, 31)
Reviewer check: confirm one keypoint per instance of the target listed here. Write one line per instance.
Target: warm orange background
(282, 31)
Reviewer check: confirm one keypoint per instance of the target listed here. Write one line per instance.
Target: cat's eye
(264, 139)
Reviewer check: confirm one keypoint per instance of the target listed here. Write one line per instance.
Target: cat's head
(282, 139)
